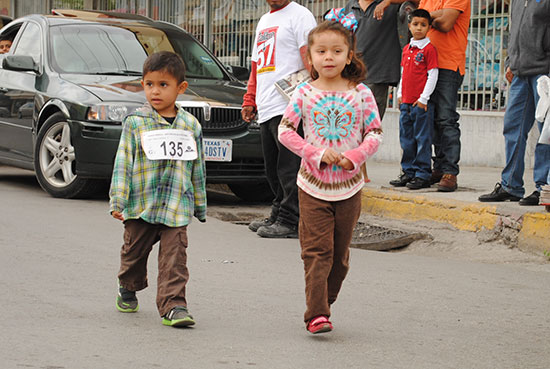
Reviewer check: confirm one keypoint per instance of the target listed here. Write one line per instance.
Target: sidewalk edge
(533, 228)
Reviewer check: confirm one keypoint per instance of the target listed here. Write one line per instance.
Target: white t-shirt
(279, 37)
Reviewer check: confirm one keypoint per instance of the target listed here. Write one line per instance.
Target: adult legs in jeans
(518, 121)
(281, 167)
(446, 136)
(325, 234)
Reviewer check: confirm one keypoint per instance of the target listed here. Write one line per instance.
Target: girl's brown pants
(325, 233)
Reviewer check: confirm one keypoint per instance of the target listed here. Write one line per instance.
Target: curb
(531, 231)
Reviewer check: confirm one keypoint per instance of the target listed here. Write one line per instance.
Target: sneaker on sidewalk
(401, 181)
(418, 183)
(178, 317)
(278, 230)
(499, 194)
(126, 301)
(319, 324)
(531, 200)
(255, 225)
(448, 183)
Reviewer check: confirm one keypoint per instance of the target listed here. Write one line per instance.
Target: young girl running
(341, 129)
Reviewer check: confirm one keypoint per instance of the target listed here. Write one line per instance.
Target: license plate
(217, 149)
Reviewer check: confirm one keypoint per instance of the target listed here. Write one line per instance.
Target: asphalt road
(396, 310)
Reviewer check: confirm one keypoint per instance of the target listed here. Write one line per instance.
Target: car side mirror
(241, 73)
(21, 63)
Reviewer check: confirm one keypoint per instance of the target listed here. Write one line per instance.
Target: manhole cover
(374, 237)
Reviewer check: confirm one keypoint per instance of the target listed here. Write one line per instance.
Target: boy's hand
(330, 157)
(399, 101)
(420, 105)
(117, 215)
(248, 113)
(345, 163)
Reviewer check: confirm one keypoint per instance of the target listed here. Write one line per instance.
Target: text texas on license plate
(217, 149)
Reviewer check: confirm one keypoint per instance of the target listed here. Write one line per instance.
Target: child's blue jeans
(415, 136)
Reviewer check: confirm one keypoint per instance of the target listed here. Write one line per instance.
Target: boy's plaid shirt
(165, 192)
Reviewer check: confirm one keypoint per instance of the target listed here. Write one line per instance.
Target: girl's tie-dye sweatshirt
(346, 121)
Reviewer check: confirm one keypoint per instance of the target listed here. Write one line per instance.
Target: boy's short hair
(420, 13)
(165, 61)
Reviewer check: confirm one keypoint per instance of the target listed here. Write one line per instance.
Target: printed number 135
(173, 148)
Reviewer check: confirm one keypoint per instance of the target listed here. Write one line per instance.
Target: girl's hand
(345, 163)
(117, 215)
(420, 105)
(330, 157)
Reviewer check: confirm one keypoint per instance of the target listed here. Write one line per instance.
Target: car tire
(254, 192)
(55, 161)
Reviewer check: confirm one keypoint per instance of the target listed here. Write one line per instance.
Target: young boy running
(158, 185)
(418, 80)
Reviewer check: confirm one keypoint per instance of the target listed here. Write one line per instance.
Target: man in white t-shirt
(280, 49)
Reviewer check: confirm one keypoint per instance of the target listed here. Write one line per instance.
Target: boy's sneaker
(126, 301)
(178, 317)
(401, 181)
(417, 183)
(319, 324)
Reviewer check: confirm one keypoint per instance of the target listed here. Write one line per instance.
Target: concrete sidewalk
(526, 226)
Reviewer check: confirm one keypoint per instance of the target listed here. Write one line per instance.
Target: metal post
(88, 4)
(208, 40)
(149, 8)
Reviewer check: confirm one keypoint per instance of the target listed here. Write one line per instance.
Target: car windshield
(113, 50)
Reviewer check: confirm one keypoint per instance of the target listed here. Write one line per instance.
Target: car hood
(125, 88)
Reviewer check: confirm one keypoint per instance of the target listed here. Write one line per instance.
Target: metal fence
(227, 28)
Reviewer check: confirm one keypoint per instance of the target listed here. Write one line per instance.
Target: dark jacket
(378, 42)
(529, 46)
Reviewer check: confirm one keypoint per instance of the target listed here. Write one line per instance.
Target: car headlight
(111, 111)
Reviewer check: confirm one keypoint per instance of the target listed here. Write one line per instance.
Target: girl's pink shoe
(319, 324)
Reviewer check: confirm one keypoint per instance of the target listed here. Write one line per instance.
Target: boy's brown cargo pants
(139, 238)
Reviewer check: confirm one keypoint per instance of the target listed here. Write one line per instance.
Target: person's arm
(198, 178)
(399, 94)
(122, 171)
(444, 19)
(289, 136)
(381, 8)
(372, 132)
(429, 87)
(248, 111)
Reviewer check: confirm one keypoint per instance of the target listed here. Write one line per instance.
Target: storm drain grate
(374, 237)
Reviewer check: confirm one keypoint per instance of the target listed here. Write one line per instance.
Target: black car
(79, 72)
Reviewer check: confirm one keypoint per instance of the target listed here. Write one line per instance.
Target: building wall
(481, 139)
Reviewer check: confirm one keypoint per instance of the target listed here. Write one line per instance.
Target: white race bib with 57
(164, 144)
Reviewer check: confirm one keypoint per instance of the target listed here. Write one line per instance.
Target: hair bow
(347, 20)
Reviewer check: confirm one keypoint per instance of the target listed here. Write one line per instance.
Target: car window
(101, 49)
(29, 43)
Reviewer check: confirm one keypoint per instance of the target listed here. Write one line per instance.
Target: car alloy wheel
(55, 161)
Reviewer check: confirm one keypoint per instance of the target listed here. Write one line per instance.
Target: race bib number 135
(174, 144)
